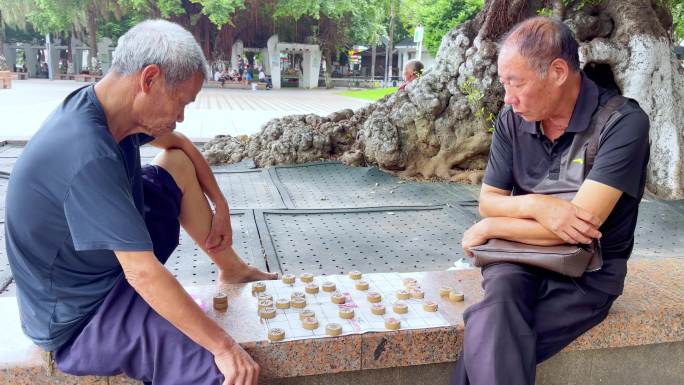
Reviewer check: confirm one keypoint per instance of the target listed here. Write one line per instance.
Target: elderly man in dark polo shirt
(529, 314)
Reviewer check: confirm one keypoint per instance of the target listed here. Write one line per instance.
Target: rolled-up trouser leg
(499, 339)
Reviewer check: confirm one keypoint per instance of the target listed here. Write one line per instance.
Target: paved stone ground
(215, 111)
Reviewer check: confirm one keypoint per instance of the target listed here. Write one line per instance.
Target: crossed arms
(541, 219)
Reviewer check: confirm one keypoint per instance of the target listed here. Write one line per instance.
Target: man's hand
(476, 235)
(569, 222)
(237, 366)
(221, 234)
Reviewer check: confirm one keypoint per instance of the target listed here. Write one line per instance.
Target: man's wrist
(223, 345)
(487, 227)
(220, 205)
(531, 205)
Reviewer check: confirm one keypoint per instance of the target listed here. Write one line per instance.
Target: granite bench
(87, 78)
(235, 85)
(5, 79)
(66, 77)
(641, 341)
(19, 75)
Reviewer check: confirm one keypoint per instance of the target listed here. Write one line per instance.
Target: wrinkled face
(163, 106)
(531, 96)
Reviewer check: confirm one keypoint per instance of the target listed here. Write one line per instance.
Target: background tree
(13, 15)
(437, 17)
(441, 127)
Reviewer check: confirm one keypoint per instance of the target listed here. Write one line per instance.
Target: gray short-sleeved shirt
(74, 196)
(521, 158)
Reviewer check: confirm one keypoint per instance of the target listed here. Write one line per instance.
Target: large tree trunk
(372, 70)
(2, 35)
(92, 35)
(440, 127)
(328, 68)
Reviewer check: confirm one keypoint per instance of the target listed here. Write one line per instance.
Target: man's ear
(148, 76)
(559, 71)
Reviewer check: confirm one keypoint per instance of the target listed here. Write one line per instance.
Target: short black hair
(541, 40)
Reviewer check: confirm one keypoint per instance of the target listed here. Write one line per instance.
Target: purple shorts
(127, 336)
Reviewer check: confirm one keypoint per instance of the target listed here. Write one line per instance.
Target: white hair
(163, 43)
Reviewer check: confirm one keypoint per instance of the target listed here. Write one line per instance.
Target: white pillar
(237, 49)
(315, 67)
(11, 55)
(31, 61)
(274, 55)
(266, 61)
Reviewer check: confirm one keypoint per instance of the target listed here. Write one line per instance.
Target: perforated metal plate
(335, 185)
(249, 190)
(660, 229)
(3, 193)
(5, 273)
(11, 151)
(192, 266)
(6, 165)
(400, 239)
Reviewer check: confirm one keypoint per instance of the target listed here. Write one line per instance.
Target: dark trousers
(527, 315)
(127, 336)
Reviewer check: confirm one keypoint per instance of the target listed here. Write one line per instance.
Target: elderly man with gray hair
(88, 229)
(567, 166)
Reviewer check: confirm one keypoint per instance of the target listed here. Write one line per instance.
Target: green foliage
(220, 12)
(677, 9)
(370, 94)
(548, 12)
(57, 15)
(437, 17)
(474, 96)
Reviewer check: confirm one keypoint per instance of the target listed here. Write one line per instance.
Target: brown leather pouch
(570, 260)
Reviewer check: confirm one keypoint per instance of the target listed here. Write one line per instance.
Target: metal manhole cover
(11, 151)
(335, 185)
(5, 273)
(373, 240)
(659, 230)
(249, 190)
(3, 193)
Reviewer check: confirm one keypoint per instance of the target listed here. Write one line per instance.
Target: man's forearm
(168, 298)
(521, 230)
(497, 205)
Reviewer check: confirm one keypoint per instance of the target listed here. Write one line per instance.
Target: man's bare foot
(249, 274)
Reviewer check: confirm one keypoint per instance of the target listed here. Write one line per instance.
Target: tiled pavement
(215, 111)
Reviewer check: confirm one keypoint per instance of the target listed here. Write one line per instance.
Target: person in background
(413, 69)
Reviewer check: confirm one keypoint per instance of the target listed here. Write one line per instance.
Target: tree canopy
(334, 24)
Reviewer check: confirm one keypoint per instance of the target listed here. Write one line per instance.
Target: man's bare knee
(178, 164)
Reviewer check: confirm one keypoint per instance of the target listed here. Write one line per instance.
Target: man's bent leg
(196, 216)
(566, 309)
(499, 340)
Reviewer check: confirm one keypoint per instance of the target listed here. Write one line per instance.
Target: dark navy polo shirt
(522, 158)
(74, 196)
